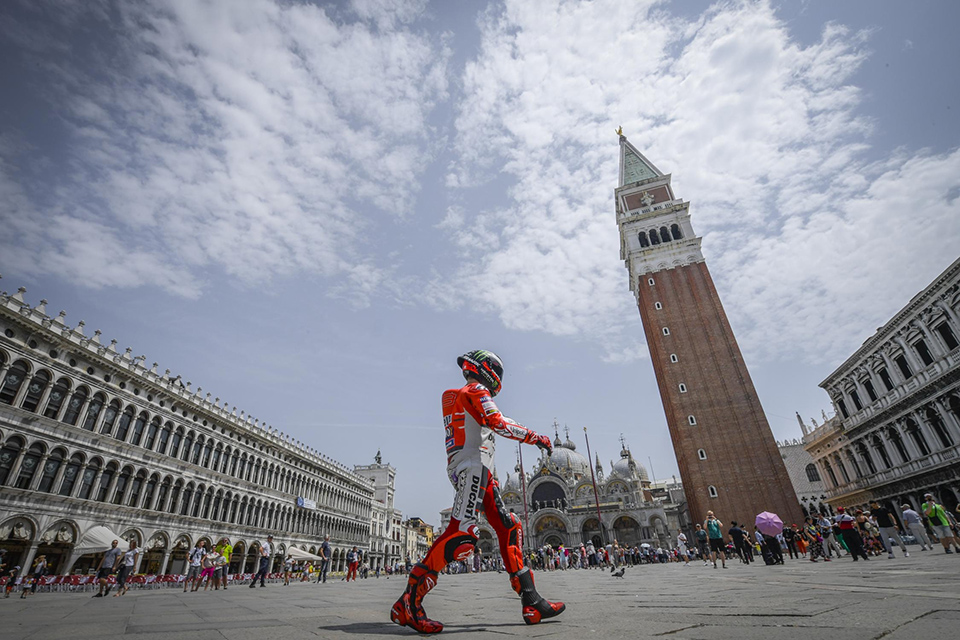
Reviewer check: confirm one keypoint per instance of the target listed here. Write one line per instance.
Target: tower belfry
(728, 458)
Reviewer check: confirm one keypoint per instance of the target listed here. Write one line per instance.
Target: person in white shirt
(266, 550)
(127, 563)
(682, 543)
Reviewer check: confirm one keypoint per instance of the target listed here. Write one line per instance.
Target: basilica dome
(566, 462)
(628, 469)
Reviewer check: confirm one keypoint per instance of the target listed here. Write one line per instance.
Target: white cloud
(808, 238)
(254, 138)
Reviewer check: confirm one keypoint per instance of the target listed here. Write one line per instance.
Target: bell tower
(728, 458)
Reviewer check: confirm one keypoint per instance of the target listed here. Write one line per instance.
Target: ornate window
(124, 426)
(812, 474)
(152, 433)
(93, 411)
(105, 479)
(933, 418)
(88, 478)
(122, 480)
(924, 352)
(856, 399)
(894, 435)
(918, 438)
(947, 335)
(8, 456)
(164, 437)
(654, 238)
(881, 451)
(35, 391)
(12, 382)
(70, 474)
(29, 466)
(135, 487)
(885, 378)
(904, 367)
(871, 392)
(59, 393)
(110, 417)
(50, 469)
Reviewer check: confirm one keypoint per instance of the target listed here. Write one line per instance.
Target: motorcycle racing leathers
(472, 421)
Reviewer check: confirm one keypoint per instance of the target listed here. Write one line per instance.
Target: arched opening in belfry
(642, 237)
(654, 238)
(675, 232)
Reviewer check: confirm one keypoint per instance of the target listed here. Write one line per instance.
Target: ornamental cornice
(947, 281)
(37, 324)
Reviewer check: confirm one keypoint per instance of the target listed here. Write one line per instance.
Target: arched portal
(591, 532)
(56, 544)
(626, 531)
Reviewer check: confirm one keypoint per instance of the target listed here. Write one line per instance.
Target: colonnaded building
(896, 432)
(89, 436)
(562, 507)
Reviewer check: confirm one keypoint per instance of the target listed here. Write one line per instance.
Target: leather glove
(542, 442)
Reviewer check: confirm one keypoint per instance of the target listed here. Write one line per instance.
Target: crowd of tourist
(856, 533)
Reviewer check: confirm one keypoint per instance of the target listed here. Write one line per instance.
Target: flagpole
(596, 494)
(523, 484)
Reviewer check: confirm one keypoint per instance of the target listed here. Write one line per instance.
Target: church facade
(725, 450)
(561, 506)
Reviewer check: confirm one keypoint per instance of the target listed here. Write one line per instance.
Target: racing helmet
(485, 366)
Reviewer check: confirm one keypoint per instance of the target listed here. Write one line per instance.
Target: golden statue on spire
(620, 131)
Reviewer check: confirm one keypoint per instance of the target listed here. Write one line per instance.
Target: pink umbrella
(769, 524)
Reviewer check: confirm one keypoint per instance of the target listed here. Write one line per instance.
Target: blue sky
(310, 210)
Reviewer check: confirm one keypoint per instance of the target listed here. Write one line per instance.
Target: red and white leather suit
(472, 421)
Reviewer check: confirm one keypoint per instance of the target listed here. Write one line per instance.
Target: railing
(917, 465)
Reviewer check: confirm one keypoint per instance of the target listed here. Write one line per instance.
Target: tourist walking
(39, 570)
(739, 541)
(915, 524)
(353, 561)
(325, 562)
(715, 536)
(287, 569)
(106, 567)
(209, 570)
(195, 567)
(940, 522)
(12, 575)
(225, 549)
(266, 550)
(888, 529)
(831, 543)
(790, 535)
(682, 544)
(851, 534)
(701, 539)
(814, 540)
(127, 563)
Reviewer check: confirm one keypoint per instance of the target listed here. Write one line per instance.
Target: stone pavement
(916, 597)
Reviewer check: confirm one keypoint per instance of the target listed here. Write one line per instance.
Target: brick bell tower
(728, 458)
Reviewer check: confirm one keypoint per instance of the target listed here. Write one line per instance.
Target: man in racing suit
(471, 421)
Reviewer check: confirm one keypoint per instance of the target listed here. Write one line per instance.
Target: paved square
(916, 597)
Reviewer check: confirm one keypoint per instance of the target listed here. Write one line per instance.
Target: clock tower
(728, 458)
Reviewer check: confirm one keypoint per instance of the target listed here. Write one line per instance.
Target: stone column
(45, 396)
(950, 421)
(28, 559)
(108, 499)
(932, 343)
(933, 441)
(165, 562)
(58, 479)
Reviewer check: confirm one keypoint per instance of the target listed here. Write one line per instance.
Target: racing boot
(408, 610)
(535, 606)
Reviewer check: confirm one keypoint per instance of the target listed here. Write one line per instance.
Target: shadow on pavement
(394, 629)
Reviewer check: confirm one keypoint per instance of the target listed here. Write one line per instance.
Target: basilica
(562, 507)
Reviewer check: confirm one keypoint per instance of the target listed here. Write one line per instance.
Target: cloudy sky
(311, 209)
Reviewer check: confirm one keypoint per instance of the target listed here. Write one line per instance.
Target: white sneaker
(906, 554)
